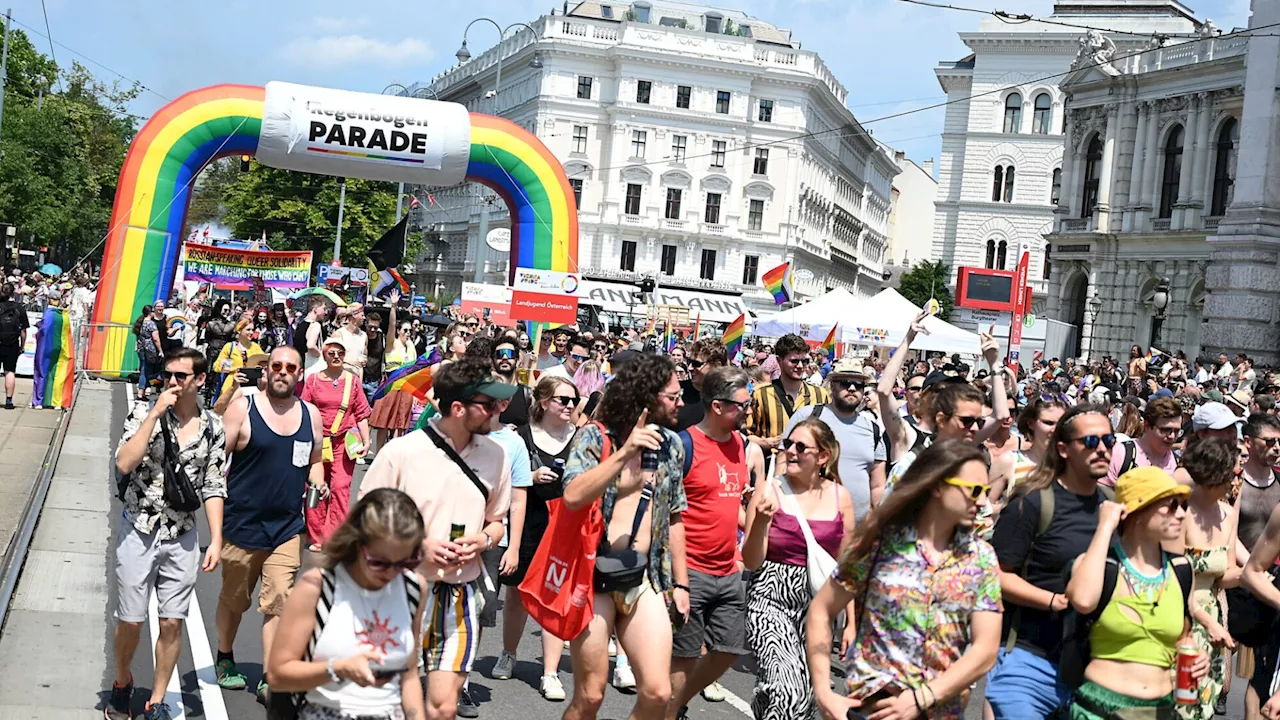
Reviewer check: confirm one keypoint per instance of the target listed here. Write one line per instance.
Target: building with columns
(704, 147)
(1000, 171)
(1153, 150)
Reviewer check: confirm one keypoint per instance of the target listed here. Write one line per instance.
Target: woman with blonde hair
(362, 659)
(805, 500)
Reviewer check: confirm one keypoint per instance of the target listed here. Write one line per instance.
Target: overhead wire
(86, 58)
(44, 9)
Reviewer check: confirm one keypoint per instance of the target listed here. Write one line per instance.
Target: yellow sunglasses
(976, 490)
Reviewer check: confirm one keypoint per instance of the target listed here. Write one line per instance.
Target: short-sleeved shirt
(713, 489)
(203, 459)
(146, 339)
(668, 494)
(860, 450)
(692, 412)
(914, 617)
(1046, 558)
(517, 456)
(441, 490)
(772, 412)
(1169, 463)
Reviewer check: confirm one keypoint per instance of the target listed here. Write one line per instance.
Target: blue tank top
(265, 490)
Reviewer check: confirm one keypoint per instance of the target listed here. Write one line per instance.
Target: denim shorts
(1024, 686)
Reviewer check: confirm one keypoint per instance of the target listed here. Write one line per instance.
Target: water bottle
(313, 496)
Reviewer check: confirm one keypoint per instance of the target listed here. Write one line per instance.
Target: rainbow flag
(414, 379)
(733, 336)
(670, 341)
(54, 375)
(1154, 353)
(830, 343)
(778, 282)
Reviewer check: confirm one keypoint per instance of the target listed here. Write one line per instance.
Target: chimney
(928, 167)
(899, 155)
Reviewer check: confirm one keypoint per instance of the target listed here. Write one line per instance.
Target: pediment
(677, 179)
(716, 183)
(637, 174)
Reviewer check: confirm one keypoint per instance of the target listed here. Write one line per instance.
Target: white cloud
(327, 24)
(331, 51)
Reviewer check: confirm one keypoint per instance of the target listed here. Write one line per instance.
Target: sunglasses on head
(166, 376)
(280, 366)
(975, 490)
(801, 448)
(968, 420)
(382, 564)
(566, 400)
(1091, 442)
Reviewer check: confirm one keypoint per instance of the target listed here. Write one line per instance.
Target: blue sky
(882, 50)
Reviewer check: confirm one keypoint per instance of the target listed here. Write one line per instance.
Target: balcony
(675, 225)
(1075, 225)
(712, 229)
(635, 220)
(1160, 224)
(1212, 222)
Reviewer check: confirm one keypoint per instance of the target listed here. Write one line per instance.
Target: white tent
(891, 314)
(812, 320)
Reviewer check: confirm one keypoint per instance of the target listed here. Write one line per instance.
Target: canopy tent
(812, 320)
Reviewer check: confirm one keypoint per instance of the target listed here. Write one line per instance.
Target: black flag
(385, 256)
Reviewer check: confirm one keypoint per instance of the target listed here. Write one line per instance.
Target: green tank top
(1152, 641)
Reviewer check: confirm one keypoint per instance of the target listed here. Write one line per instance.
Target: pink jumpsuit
(324, 518)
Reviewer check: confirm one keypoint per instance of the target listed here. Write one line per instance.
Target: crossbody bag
(621, 570)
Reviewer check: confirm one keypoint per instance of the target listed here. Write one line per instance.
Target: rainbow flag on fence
(54, 374)
(733, 336)
(778, 282)
(830, 343)
(414, 379)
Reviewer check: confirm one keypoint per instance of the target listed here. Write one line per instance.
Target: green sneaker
(263, 693)
(229, 676)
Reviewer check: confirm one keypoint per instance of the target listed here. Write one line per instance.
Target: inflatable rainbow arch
(142, 247)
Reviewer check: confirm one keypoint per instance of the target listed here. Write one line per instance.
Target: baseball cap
(1213, 395)
(938, 376)
(1142, 486)
(1163, 392)
(1213, 416)
(491, 387)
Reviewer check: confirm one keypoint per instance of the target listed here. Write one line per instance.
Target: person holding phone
(365, 660)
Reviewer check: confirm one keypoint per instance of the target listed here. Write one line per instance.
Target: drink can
(456, 531)
(313, 496)
(1186, 691)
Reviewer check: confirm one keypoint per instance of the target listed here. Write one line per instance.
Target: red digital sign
(986, 289)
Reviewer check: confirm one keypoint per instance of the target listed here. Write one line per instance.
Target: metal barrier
(114, 339)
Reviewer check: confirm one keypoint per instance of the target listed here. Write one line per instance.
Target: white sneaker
(613, 648)
(713, 693)
(551, 688)
(505, 667)
(623, 678)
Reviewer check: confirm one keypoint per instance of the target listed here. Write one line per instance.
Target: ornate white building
(704, 147)
(999, 174)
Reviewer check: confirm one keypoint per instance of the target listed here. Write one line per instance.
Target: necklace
(1150, 585)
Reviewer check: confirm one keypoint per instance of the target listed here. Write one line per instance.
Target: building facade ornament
(1096, 51)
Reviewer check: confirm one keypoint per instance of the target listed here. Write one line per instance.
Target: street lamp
(1159, 301)
(1095, 307)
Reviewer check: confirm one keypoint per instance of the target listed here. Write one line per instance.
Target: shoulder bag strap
(447, 449)
(324, 604)
(646, 494)
(346, 402)
(793, 509)
(413, 591)
(783, 398)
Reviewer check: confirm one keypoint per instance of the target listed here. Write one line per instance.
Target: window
(632, 206)
(1013, 113)
(628, 260)
(991, 255)
(996, 253)
(717, 153)
(642, 13)
(1042, 115)
(683, 93)
(708, 269)
(755, 215)
(576, 184)
(1008, 184)
(668, 266)
(1001, 249)
(750, 269)
(1224, 168)
(1172, 172)
(745, 31)
(643, 88)
(673, 203)
(1055, 187)
(761, 165)
(713, 24)
(1092, 170)
(722, 102)
(766, 111)
(678, 145)
(997, 183)
(638, 139)
(1048, 247)
(580, 138)
(584, 87)
(713, 209)
(606, 12)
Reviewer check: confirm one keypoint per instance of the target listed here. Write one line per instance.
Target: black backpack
(10, 322)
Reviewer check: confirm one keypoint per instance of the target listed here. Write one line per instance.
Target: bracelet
(333, 675)
(1051, 598)
(678, 586)
(916, 699)
(932, 698)
(488, 541)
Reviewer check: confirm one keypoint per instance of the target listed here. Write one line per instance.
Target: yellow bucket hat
(1142, 486)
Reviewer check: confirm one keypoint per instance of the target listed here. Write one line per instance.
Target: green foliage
(928, 280)
(729, 27)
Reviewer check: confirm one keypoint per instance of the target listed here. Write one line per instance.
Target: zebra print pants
(777, 602)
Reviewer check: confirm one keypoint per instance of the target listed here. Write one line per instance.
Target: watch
(488, 541)
(333, 675)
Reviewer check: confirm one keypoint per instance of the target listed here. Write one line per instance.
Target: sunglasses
(505, 354)
(1271, 441)
(914, 388)
(1177, 503)
(566, 400)
(1091, 442)
(744, 405)
(181, 377)
(382, 564)
(488, 405)
(849, 385)
(798, 361)
(580, 358)
(278, 366)
(976, 490)
(968, 420)
(336, 353)
(801, 448)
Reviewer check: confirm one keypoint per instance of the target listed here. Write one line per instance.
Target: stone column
(1067, 201)
(1189, 135)
(1150, 184)
(1143, 112)
(1128, 119)
(1202, 173)
(1105, 184)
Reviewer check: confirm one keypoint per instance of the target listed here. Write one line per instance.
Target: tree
(928, 280)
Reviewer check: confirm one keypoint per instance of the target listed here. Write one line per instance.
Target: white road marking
(173, 693)
(202, 655)
(741, 705)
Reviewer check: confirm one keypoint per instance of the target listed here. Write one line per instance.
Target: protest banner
(235, 269)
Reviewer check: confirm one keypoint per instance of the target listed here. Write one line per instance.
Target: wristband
(1051, 598)
(333, 675)
(916, 699)
(678, 586)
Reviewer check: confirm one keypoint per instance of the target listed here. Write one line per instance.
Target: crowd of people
(912, 524)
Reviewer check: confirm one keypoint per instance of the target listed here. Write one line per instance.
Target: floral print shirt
(913, 616)
(203, 459)
(668, 494)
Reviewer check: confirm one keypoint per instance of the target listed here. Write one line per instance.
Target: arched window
(997, 183)
(1048, 252)
(1092, 170)
(1002, 250)
(1013, 113)
(1224, 167)
(1172, 172)
(1008, 184)
(1002, 184)
(991, 255)
(1055, 186)
(1043, 115)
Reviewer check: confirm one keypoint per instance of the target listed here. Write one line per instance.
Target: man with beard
(862, 456)
(639, 482)
(506, 355)
(274, 438)
(461, 482)
(704, 356)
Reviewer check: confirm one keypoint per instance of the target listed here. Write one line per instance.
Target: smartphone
(853, 714)
(381, 673)
(251, 376)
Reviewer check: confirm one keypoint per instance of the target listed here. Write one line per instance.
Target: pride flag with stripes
(414, 379)
(54, 374)
(778, 282)
(830, 343)
(733, 336)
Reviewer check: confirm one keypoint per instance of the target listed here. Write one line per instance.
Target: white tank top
(361, 619)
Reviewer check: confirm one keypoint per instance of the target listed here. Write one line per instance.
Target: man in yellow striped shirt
(775, 402)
